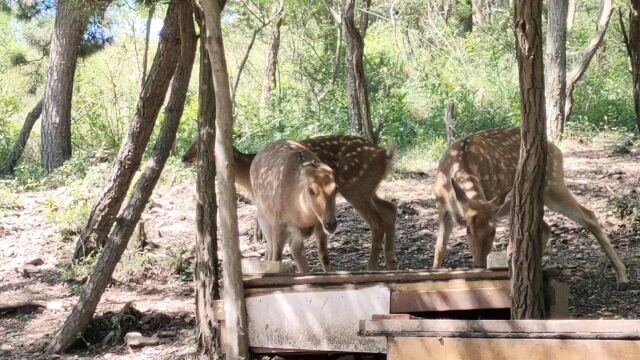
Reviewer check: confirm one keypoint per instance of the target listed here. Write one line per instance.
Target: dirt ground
(594, 173)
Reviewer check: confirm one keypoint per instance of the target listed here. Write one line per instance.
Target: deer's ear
(460, 194)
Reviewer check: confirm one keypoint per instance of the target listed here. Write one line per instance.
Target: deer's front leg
(297, 249)
(321, 241)
(445, 225)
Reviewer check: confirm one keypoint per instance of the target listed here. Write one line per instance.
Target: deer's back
(484, 164)
(358, 164)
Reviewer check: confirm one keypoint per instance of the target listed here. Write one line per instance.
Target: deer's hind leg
(367, 208)
(388, 213)
(562, 201)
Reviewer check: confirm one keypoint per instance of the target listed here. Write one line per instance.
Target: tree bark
(571, 12)
(556, 67)
(16, 152)
(589, 51)
(206, 275)
(129, 157)
(525, 249)
(357, 92)
(235, 312)
(72, 18)
(269, 77)
(634, 53)
(130, 215)
(147, 36)
(448, 122)
(477, 10)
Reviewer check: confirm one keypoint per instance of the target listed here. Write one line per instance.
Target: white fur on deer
(474, 179)
(294, 194)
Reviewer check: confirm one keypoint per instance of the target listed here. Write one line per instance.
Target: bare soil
(594, 173)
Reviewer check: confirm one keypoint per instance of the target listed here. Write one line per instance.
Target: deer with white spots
(475, 177)
(359, 166)
(294, 194)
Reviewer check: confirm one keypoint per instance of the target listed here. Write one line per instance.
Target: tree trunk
(477, 10)
(448, 122)
(269, 78)
(556, 67)
(571, 13)
(589, 51)
(206, 275)
(235, 312)
(130, 215)
(129, 157)
(634, 50)
(353, 106)
(466, 22)
(16, 152)
(147, 35)
(71, 20)
(525, 249)
(358, 94)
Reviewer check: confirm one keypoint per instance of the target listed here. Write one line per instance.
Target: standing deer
(358, 166)
(294, 194)
(474, 178)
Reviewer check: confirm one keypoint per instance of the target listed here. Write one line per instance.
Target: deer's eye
(311, 192)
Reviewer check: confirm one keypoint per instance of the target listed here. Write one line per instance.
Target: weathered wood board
(420, 348)
(325, 320)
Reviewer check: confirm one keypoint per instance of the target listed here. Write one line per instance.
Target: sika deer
(474, 179)
(294, 194)
(359, 166)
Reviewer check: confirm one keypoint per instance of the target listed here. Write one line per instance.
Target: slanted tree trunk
(147, 36)
(72, 18)
(206, 276)
(16, 152)
(237, 346)
(525, 249)
(130, 215)
(556, 67)
(576, 73)
(357, 92)
(129, 157)
(269, 77)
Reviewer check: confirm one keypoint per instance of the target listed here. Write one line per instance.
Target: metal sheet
(317, 320)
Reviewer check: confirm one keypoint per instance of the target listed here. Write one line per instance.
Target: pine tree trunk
(130, 215)
(269, 78)
(556, 67)
(527, 208)
(634, 50)
(206, 275)
(357, 92)
(71, 20)
(129, 157)
(16, 152)
(237, 346)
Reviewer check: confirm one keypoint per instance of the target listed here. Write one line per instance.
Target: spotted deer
(294, 193)
(359, 166)
(475, 177)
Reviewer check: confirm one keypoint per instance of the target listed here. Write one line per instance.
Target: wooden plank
(448, 285)
(565, 329)
(391, 317)
(446, 300)
(411, 348)
(317, 320)
(266, 280)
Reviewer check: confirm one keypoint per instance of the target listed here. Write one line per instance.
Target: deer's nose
(330, 226)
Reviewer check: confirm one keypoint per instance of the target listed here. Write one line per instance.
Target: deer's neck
(242, 167)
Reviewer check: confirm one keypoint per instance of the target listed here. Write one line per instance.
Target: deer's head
(480, 217)
(319, 193)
